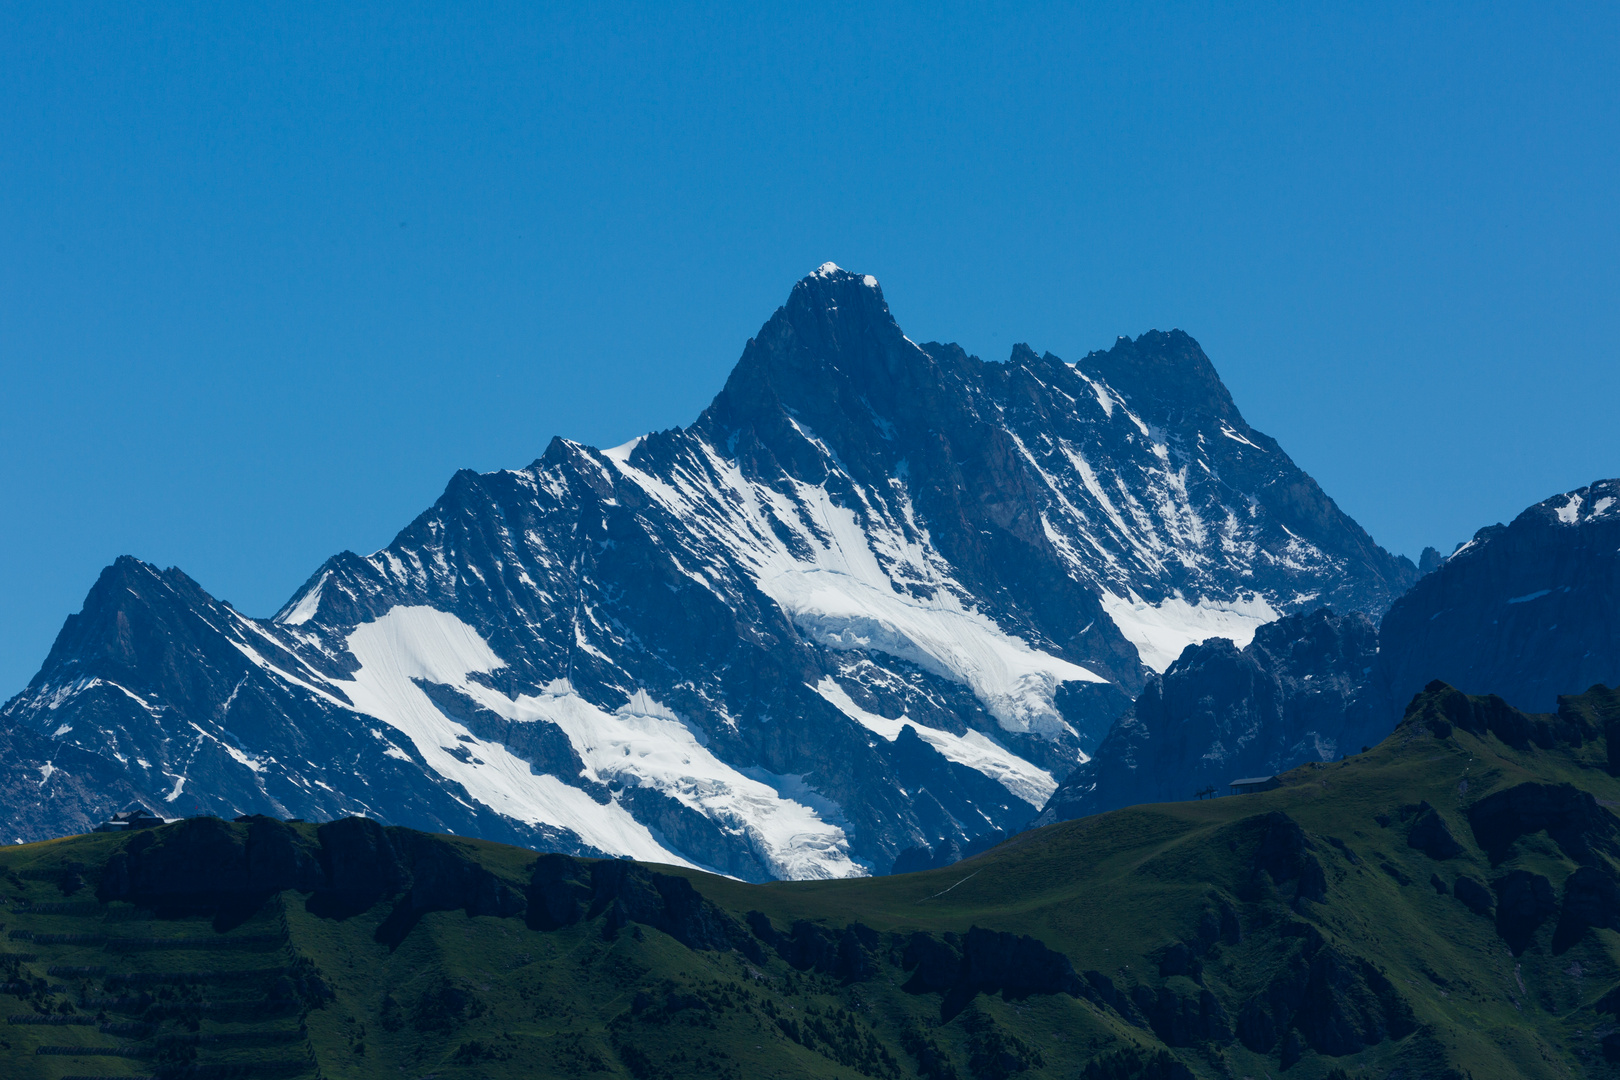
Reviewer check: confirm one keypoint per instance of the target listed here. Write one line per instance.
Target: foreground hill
(1442, 906)
(878, 595)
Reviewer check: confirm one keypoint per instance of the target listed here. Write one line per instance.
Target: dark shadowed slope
(1527, 610)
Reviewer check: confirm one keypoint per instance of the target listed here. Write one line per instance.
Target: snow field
(1161, 631)
(642, 743)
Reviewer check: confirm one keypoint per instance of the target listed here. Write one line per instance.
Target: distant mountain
(1525, 611)
(1445, 906)
(1528, 610)
(879, 596)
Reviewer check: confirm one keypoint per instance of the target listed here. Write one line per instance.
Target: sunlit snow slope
(880, 595)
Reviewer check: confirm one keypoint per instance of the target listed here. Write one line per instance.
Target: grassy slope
(489, 997)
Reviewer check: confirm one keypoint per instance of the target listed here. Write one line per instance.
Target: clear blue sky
(270, 273)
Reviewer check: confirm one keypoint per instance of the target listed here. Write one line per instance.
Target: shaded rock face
(1474, 896)
(1430, 835)
(1284, 854)
(563, 891)
(1571, 817)
(204, 863)
(709, 645)
(1298, 692)
(1523, 902)
(1591, 899)
(1336, 1004)
(1183, 1016)
(1525, 610)
(981, 961)
(846, 955)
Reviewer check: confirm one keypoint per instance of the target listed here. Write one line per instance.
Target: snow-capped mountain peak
(880, 594)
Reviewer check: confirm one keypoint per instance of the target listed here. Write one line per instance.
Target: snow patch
(1570, 512)
(422, 643)
(644, 743)
(304, 609)
(623, 451)
(1527, 597)
(1161, 631)
(1230, 434)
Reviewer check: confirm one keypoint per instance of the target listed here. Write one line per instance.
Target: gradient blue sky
(270, 273)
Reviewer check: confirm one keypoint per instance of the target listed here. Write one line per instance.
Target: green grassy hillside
(1443, 905)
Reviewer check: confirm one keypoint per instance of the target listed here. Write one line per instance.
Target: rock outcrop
(1298, 692)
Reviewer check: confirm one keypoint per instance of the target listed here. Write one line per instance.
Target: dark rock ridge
(1337, 1004)
(1570, 817)
(1431, 835)
(877, 597)
(962, 966)
(1284, 854)
(1526, 611)
(563, 891)
(355, 864)
(1523, 611)
(1296, 693)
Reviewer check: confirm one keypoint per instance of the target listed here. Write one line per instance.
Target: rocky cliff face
(1297, 693)
(1528, 610)
(880, 595)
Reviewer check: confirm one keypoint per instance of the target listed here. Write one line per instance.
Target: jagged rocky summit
(879, 596)
(1526, 611)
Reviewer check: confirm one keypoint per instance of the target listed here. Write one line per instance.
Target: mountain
(1297, 693)
(1518, 611)
(1525, 610)
(879, 597)
(1443, 906)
